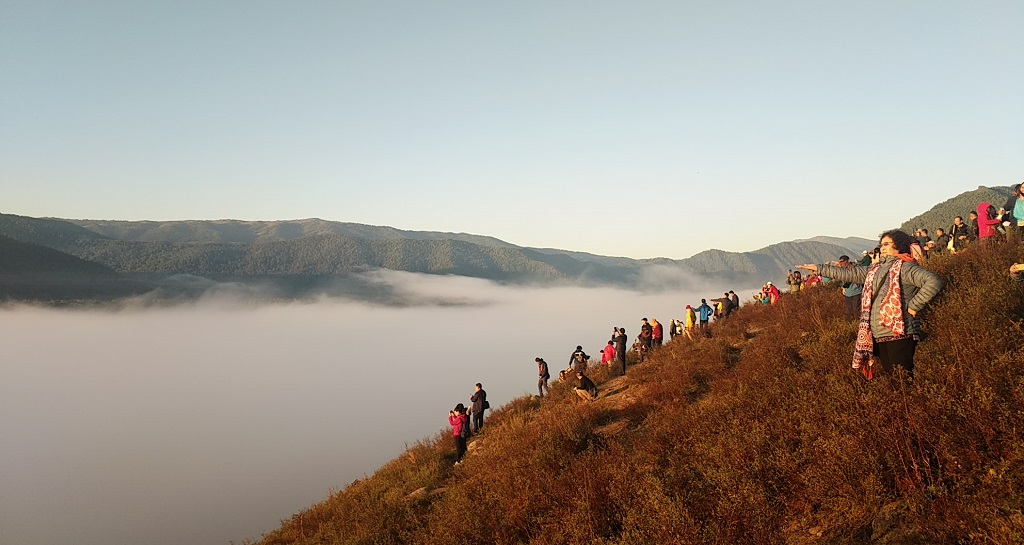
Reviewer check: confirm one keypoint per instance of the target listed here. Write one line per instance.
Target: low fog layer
(210, 422)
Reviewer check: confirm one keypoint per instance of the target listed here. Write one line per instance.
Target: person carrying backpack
(480, 404)
(460, 430)
(578, 359)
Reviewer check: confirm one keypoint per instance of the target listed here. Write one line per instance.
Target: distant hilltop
(301, 258)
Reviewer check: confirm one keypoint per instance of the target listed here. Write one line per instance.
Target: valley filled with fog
(211, 421)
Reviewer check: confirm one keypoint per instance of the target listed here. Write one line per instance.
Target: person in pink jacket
(460, 428)
(986, 220)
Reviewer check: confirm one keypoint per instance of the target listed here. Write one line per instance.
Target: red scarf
(890, 314)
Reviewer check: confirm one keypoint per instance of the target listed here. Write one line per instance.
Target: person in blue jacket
(704, 312)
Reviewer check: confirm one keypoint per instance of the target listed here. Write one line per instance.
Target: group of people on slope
(983, 223)
(578, 362)
(467, 421)
(885, 290)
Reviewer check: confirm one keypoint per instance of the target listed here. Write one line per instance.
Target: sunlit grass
(760, 434)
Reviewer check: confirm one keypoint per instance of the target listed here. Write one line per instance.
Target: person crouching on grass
(587, 390)
(896, 288)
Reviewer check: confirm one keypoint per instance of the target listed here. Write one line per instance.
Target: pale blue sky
(641, 129)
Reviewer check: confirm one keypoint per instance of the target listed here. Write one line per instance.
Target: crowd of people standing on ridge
(883, 291)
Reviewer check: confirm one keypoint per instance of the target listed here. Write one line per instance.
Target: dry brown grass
(761, 434)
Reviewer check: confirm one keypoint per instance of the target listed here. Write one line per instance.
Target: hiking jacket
(457, 422)
(542, 370)
(657, 331)
(691, 318)
(735, 300)
(705, 312)
(1011, 210)
(583, 357)
(620, 344)
(917, 284)
(478, 399)
(986, 227)
(963, 230)
(588, 385)
(608, 354)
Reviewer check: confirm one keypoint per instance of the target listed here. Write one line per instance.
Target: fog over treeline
(211, 421)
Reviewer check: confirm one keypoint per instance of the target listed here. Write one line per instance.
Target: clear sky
(640, 129)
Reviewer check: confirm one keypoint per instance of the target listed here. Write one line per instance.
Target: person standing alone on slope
(480, 404)
(544, 375)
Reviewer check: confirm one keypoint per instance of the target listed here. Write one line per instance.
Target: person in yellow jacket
(691, 322)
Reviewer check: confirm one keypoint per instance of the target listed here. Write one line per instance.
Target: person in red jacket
(657, 332)
(608, 354)
(987, 220)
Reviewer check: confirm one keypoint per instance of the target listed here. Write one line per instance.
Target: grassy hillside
(942, 214)
(760, 434)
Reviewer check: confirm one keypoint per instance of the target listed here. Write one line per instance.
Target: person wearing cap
(460, 430)
(851, 290)
(542, 372)
(691, 322)
(587, 390)
(646, 334)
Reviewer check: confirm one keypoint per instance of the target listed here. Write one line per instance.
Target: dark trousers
(621, 356)
(460, 447)
(852, 306)
(899, 352)
(478, 421)
(542, 384)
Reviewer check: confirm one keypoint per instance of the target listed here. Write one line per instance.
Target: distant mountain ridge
(301, 255)
(253, 232)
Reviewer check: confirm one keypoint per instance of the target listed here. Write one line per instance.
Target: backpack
(580, 357)
(464, 432)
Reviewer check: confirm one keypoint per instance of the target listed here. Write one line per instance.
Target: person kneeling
(587, 389)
